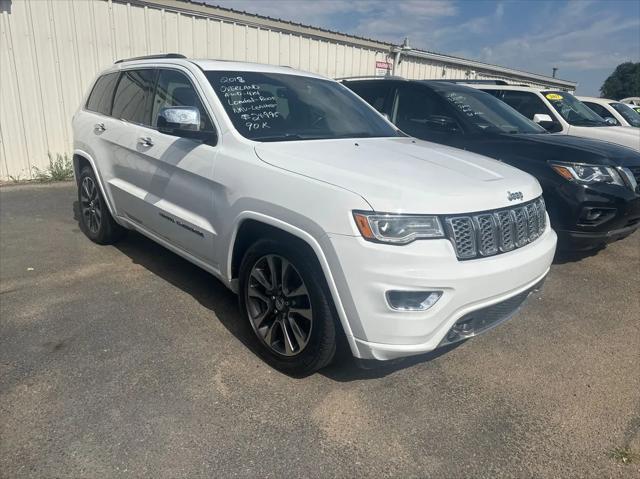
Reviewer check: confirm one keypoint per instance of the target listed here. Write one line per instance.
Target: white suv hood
(622, 135)
(405, 175)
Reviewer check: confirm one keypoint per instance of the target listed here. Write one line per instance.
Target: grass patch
(623, 455)
(59, 169)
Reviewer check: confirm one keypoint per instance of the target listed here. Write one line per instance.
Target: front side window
(599, 110)
(281, 107)
(629, 114)
(489, 114)
(419, 111)
(375, 94)
(526, 103)
(175, 90)
(101, 96)
(573, 110)
(133, 94)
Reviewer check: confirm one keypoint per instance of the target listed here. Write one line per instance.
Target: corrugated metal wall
(50, 51)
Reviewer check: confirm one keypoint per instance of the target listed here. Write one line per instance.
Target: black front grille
(497, 231)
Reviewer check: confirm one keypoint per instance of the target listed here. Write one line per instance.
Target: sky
(585, 39)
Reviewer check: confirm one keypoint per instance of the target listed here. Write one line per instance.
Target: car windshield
(628, 113)
(573, 110)
(282, 107)
(488, 113)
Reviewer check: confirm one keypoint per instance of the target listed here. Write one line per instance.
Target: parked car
(613, 112)
(321, 215)
(633, 102)
(590, 186)
(560, 112)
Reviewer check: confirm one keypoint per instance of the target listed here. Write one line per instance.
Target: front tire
(95, 220)
(284, 298)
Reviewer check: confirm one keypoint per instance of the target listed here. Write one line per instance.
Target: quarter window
(133, 94)
(101, 96)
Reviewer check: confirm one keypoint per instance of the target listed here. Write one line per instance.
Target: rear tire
(95, 220)
(285, 300)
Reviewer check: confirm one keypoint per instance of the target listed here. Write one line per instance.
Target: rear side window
(132, 101)
(101, 96)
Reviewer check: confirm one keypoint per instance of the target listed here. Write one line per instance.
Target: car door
(97, 132)
(179, 188)
(127, 180)
(421, 113)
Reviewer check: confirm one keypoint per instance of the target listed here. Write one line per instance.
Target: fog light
(593, 216)
(412, 300)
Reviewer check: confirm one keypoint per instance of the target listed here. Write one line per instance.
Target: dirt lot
(128, 361)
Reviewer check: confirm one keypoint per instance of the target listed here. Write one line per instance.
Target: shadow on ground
(213, 295)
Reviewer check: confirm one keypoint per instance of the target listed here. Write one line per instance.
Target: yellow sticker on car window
(554, 96)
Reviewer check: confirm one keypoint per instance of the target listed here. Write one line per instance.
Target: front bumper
(570, 206)
(369, 270)
(584, 240)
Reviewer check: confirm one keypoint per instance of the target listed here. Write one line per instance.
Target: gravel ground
(127, 361)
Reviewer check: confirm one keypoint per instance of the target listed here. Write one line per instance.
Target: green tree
(623, 82)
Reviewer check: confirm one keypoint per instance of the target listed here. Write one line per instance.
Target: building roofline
(488, 67)
(199, 7)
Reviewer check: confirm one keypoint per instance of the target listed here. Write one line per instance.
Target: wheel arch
(252, 226)
(82, 159)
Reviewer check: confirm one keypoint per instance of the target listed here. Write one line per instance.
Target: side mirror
(179, 121)
(611, 121)
(544, 120)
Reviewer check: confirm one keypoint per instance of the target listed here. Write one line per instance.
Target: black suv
(590, 186)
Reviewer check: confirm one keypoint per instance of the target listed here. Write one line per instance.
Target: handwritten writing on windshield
(459, 101)
(250, 102)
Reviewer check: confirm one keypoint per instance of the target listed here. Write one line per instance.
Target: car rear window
(101, 96)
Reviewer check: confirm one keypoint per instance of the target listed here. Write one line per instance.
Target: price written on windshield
(255, 106)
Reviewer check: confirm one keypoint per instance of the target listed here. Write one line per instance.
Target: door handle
(99, 127)
(145, 141)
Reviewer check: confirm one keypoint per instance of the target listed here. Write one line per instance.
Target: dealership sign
(383, 68)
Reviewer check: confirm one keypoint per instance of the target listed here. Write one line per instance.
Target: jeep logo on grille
(515, 195)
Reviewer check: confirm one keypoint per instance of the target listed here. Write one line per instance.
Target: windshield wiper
(283, 137)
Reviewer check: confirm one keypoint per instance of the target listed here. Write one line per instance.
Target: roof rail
(479, 82)
(151, 57)
(371, 77)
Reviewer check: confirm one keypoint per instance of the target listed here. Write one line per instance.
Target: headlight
(397, 229)
(588, 174)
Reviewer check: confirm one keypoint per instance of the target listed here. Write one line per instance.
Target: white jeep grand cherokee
(321, 215)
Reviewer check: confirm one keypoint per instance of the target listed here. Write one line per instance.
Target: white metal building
(50, 51)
